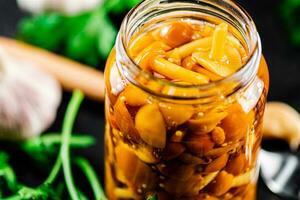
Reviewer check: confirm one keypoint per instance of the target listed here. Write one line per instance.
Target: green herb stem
(152, 197)
(64, 156)
(82, 195)
(91, 175)
(15, 197)
(69, 119)
(75, 140)
(54, 172)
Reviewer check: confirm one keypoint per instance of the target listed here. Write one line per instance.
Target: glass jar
(179, 141)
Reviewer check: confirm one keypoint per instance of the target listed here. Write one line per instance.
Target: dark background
(282, 57)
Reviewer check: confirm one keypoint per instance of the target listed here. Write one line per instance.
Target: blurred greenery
(290, 12)
(86, 37)
(43, 148)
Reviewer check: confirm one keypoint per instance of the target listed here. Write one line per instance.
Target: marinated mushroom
(236, 124)
(154, 133)
(176, 34)
(222, 183)
(135, 172)
(176, 114)
(217, 164)
(124, 120)
(199, 144)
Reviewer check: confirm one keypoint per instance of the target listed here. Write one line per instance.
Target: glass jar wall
(186, 87)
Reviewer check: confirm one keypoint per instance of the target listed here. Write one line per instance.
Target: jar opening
(152, 12)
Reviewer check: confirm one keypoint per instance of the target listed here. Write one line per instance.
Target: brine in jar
(185, 123)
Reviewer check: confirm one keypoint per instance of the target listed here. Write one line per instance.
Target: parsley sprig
(45, 144)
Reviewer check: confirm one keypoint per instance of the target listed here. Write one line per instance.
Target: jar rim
(243, 77)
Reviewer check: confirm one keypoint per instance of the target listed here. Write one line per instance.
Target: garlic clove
(32, 6)
(281, 121)
(69, 7)
(29, 99)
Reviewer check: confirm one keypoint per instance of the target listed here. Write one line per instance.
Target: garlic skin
(29, 99)
(68, 7)
(72, 7)
(281, 121)
(32, 6)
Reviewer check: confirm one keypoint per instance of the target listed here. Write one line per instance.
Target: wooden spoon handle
(72, 75)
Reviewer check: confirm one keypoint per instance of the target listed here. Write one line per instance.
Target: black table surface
(283, 60)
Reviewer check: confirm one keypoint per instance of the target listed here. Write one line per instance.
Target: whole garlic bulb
(32, 6)
(29, 99)
(69, 7)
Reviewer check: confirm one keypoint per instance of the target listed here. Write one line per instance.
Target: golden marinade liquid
(181, 151)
